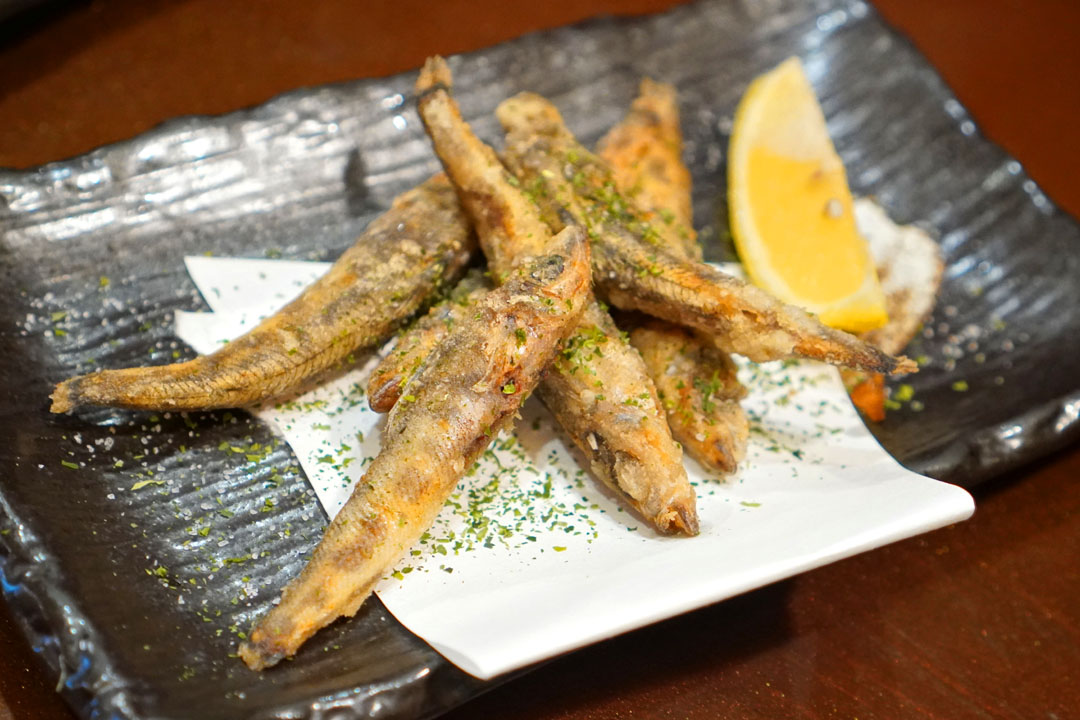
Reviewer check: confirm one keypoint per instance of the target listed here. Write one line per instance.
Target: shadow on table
(660, 655)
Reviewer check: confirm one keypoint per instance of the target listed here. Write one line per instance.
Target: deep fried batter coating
(696, 381)
(600, 394)
(700, 391)
(645, 154)
(422, 243)
(387, 381)
(635, 271)
(469, 388)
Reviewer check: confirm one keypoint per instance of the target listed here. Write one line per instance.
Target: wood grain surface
(980, 620)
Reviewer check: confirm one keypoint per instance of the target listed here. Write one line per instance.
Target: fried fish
(696, 381)
(470, 387)
(633, 268)
(387, 381)
(699, 390)
(644, 152)
(422, 243)
(598, 389)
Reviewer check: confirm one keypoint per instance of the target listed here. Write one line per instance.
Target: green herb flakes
(904, 393)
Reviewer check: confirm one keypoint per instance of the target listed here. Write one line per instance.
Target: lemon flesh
(792, 214)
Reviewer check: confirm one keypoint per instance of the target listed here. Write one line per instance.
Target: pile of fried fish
(570, 237)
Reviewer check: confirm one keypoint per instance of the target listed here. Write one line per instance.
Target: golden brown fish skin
(628, 445)
(600, 393)
(696, 381)
(633, 269)
(644, 152)
(470, 389)
(387, 381)
(700, 391)
(423, 242)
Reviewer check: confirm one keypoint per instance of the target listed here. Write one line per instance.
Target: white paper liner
(532, 558)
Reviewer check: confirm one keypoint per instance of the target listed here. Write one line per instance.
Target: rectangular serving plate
(93, 571)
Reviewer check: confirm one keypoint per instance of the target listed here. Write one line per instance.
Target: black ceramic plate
(130, 596)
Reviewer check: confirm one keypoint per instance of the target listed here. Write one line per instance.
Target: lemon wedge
(792, 215)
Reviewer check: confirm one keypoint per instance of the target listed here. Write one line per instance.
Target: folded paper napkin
(531, 558)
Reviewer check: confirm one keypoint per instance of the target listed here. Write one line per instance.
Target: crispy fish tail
(738, 317)
(420, 244)
(633, 269)
(598, 391)
(474, 384)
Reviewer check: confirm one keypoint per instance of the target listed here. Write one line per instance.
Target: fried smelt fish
(696, 381)
(645, 154)
(598, 390)
(469, 388)
(633, 269)
(387, 382)
(700, 391)
(424, 241)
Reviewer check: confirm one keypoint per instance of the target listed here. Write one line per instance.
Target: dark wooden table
(980, 620)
